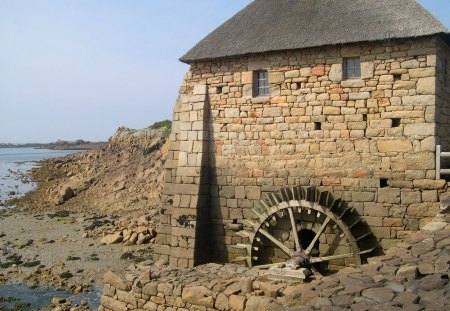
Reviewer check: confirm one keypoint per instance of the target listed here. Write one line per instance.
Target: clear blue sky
(78, 69)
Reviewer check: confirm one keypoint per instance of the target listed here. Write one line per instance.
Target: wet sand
(36, 249)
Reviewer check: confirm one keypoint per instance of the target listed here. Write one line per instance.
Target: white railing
(439, 155)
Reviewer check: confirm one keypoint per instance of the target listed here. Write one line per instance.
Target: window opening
(262, 87)
(317, 126)
(396, 122)
(383, 183)
(352, 68)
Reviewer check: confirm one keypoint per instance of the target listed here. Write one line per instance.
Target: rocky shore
(91, 212)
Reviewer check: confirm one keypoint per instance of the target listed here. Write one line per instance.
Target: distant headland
(59, 145)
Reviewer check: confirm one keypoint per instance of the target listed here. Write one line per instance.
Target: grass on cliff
(166, 124)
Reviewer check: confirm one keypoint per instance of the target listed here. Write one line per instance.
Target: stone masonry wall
(413, 275)
(370, 142)
(443, 95)
(183, 231)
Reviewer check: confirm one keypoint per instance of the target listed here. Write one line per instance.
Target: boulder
(199, 296)
(112, 238)
(116, 281)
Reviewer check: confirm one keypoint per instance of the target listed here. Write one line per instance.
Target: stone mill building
(307, 128)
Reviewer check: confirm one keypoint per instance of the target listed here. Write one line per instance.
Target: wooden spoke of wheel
(298, 247)
(348, 255)
(283, 247)
(317, 236)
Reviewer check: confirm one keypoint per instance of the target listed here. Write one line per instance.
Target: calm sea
(14, 166)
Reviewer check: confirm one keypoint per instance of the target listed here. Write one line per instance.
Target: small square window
(352, 68)
(261, 83)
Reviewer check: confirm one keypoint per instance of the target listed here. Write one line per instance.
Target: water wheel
(306, 225)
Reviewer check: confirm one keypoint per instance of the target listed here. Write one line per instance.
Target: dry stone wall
(413, 275)
(369, 141)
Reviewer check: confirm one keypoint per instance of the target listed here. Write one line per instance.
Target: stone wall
(183, 231)
(413, 275)
(443, 95)
(370, 142)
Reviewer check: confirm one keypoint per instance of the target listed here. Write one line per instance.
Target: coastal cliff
(126, 175)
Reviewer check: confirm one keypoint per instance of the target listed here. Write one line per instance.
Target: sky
(79, 69)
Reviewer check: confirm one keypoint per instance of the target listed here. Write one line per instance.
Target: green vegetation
(166, 124)
(160, 124)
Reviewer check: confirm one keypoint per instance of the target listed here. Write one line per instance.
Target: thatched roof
(275, 25)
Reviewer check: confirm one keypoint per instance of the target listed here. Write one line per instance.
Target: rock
(116, 281)
(113, 304)
(423, 247)
(432, 282)
(319, 302)
(246, 284)
(67, 193)
(58, 300)
(66, 275)
(142, 221)
(380, 295)
(262, 303)
(133, 239)
(406, 298)
(237, 302)
(221, 302)
(343, 301)
(396, 287)
(408, 271)
(112, 238)
(425, 268)
(198, 295)
(270, 289)
(142, 238)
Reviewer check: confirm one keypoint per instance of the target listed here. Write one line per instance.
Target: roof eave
(187, 60)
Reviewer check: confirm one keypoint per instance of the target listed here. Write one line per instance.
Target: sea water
(15, 163)
(40, 297)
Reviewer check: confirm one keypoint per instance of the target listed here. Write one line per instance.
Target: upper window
(262, 87)
(352, 68)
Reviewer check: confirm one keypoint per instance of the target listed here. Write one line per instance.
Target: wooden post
(438, 162)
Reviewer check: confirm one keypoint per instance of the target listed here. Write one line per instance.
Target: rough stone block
(388, 195)
(258, 65)
(420, 161)
(247, 77)
(116, 281)
(409, 64)
(272, 112)
(353, 83)
(199, 296)
(422, 72)
(113, 304)
(200, 89)
(418, 100)
(292, 74)
(426, 86)
(335, 74)
(420, 130)
(394, 146)
(367, 70)
(306, 72)
(276, 77)
(359, 95)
